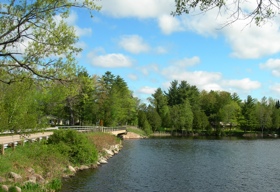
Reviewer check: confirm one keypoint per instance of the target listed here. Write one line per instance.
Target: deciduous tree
(35, 40)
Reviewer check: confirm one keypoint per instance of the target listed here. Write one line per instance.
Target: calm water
(152, 165)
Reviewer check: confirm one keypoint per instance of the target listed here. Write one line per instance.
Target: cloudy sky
(140, 41)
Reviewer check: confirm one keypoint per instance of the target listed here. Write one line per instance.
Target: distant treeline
(108, 101)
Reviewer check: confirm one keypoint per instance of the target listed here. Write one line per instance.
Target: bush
(55, 184)
(75, 145)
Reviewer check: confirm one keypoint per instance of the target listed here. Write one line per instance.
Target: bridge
(117, 131)
(14, 140)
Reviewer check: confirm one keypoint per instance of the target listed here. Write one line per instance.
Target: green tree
(153, 118)
(172, 94)
(248, 111)
(34, 44)
(230, 114)
(263, 114)
(19, 106)
(182, 117)
(200, 120)
(117, 106)
(160, 103)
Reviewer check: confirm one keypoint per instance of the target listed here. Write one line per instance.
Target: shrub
(75, 145)
(55, 184)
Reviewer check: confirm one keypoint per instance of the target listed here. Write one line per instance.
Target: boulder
(16, 177)
(109, 152)
(31, 179)
(5, 188)
(71, 169)
(102, 160)
(30, 170)
(83, 167)
(131, 135)
(39, 178)
(2, 180)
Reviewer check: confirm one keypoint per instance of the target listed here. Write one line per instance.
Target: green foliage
(29, 186)
(19, 107)
(137, 131)
(75, 145)
(116, 104)
(54, 184)
(49, 44)
(147, 127)
(12, 189)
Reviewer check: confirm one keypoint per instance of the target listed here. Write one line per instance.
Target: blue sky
(140, 41)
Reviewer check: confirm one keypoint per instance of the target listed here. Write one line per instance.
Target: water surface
(180, 164)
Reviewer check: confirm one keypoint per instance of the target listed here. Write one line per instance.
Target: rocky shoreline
(69, 171)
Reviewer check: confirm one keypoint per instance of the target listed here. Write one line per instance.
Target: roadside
(40, 166)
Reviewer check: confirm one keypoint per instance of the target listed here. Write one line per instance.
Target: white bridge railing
(92, 128)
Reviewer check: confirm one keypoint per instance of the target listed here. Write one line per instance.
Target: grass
(50, 161)
(136, 130)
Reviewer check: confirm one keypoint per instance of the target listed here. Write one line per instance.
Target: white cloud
(273, 65)
(160, 50)
(134, 44)
(169, 24)
(202, 79)
(137, 8)
(147, 90)
(246, 40)
(186, 62)
(252, 41)
(132, 77)
(244, 84)
(204, 24)
(72, 21)
(275, 88)
(113, 60)
(146, 70)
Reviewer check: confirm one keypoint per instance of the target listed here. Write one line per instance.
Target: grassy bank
(48, 161)
(136, 130)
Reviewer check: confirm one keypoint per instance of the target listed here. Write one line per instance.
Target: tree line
(85, 100)
(107, 101)
(185, 109)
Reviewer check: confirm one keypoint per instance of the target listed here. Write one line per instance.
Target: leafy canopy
(35, 40)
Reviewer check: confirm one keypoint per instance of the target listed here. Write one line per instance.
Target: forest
(108, 101)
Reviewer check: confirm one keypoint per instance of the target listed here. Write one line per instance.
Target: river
(180, 164)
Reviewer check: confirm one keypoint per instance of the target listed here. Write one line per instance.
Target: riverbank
(41, 166)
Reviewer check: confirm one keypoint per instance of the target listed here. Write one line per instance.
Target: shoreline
(48, 174)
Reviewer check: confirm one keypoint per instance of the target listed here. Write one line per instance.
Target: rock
(30, 170)
(131, 135)
(15, 177)
(115, 148)
(2, 180)
(102, 160)
(5, 188)
(31, 179)
(94, 166)
(71, 169)
(109, 152)
(39, 178)
(83, 167)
